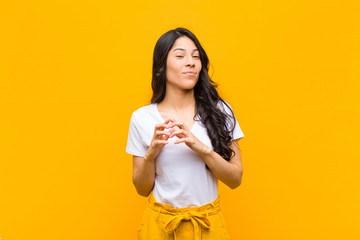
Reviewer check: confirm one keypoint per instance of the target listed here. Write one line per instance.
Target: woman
(182, 143)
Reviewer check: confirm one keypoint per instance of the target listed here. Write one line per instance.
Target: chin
(188, 86)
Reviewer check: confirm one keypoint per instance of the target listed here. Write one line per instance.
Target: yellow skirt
(163, 222)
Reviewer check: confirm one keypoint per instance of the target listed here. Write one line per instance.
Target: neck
(178, 99)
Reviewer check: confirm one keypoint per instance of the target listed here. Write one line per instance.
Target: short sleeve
(237, 134)
(135, 144)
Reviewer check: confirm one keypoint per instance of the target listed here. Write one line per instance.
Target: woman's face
(183, 64)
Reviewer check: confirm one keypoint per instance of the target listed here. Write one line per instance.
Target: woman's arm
(143, 175)
(229, 172)
(144, 167)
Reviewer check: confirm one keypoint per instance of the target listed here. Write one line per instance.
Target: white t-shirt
(181, 177)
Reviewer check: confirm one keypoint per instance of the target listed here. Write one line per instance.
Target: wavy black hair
(206, 95)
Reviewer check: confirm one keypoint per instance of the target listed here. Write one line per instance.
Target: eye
(179, 56)
(197, 56)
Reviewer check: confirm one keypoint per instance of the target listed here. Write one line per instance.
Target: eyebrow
(184, 49)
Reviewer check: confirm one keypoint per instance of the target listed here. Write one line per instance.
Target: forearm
(144, 177)
(227, 172)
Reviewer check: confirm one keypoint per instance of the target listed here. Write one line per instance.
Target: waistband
(174, 216)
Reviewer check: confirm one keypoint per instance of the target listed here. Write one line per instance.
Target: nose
(190, 61)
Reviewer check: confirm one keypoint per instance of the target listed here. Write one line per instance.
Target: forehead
(184, 43)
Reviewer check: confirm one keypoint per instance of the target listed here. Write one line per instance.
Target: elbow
(235, 185)
(143, 193)
(141, 189)
(237, 182)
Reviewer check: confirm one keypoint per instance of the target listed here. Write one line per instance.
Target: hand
(159, 139)
(184, 134)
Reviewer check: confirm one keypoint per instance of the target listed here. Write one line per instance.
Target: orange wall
(72, 72)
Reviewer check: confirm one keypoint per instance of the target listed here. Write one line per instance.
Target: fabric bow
(195, 217)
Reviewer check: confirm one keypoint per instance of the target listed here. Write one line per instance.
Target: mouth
(189, 73)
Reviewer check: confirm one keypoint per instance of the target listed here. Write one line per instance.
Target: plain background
(72, 72)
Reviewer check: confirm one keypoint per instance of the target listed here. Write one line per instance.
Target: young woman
(182, 143)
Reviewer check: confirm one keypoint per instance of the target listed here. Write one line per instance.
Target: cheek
(173, 68)
(171, 74)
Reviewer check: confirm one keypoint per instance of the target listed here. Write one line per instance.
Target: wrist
(148, 158)
(206, 151)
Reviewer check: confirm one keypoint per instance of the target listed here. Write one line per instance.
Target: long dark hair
(206, 96)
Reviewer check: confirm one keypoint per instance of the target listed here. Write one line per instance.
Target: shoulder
(142, 112)
(224, 106)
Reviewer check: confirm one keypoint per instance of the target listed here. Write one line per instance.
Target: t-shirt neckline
(163, 120)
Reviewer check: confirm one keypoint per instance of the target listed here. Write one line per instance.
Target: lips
(189, 73)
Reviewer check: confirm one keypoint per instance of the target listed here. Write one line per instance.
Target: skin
(178, 111)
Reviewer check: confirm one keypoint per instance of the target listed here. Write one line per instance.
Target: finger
(180, 140)
(179, 124)
(161, 133)
(160, 126)
(160, 142)
(169, 120)
(180, 132)
(166, 137)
